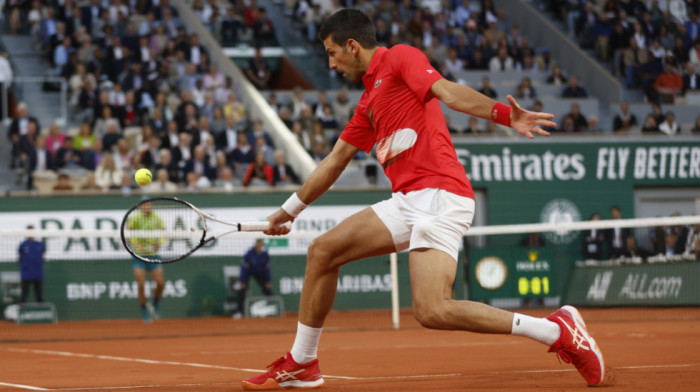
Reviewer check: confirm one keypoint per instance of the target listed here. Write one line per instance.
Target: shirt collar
(373, 64)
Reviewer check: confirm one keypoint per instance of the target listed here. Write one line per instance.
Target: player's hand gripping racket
(167, 229)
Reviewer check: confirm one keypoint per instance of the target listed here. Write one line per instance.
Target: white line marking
(615, 368)
(137, 386)
(20, 386)
(657, 366)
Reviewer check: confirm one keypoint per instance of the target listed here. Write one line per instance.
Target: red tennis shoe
(576, 346)
(284, 373)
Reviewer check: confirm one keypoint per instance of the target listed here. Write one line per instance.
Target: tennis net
(89, 284)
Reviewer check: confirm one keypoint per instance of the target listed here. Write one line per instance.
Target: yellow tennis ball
(143, 177)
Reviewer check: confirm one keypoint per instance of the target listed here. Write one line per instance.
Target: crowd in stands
(656, 244)
(652, 44)
(145, 95)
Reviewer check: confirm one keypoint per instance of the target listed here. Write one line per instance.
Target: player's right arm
(323, 176)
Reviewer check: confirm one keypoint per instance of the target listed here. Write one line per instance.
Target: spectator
(327, 118)
(225, 179)
(342, 107)
(100, 128)
(633, 58)
(568, 125)
(90, 183)
(63, 184)
(233, 107)
(691, 79)
(282, 173)
(669, 125)
(668, 85)
(593, 124)
(263, 29)
(255, 263)
(258, 71)
(167, 163)
(31, 265)
(502, 62)
(473, 126)
(525, 89)
(67, 156)
(18, 127)
(486, 88)
(556, 77)
(573, 90)
(453, 63)
(478, 61)
(616, 238)
(579, 119)
(242, 155)
(670, 244)
(55, 140)
(200, 163)
(107, 174)
(624, 121)
(85, 140)
(256, 131)
(634, 250)
(162, 182)
(650, 125)
(696, 126)
(259, 172)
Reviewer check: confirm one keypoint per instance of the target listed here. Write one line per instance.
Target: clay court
(646, 349)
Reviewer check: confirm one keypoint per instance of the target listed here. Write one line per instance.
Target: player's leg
(158, 276)
(435, 240)
(241, 292)
(359, 236)
(139, 271)
(24, 286)
(264, 280)
(39, 290)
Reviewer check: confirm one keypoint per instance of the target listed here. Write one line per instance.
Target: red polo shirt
(398, 113)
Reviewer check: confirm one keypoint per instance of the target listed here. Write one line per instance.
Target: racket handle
(259, 226)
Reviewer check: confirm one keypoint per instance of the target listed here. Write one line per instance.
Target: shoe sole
(581, 325)
(271, 385)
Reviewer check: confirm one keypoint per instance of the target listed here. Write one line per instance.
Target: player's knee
(429, 316)
(320, 255)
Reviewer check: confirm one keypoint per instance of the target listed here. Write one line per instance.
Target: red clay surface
(645, 350)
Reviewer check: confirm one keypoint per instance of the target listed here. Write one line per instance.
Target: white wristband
(294, 206)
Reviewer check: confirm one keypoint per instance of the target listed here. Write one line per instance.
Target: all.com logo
(560, 211)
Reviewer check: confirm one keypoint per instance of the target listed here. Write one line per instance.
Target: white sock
(539, 329)
(306, 344)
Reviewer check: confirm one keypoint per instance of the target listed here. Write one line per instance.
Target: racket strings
(163, 230)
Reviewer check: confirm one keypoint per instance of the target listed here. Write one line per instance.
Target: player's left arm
(467, 100)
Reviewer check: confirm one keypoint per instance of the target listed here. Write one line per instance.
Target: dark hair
(348, 24)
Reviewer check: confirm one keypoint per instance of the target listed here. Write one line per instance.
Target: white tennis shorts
(428, 218)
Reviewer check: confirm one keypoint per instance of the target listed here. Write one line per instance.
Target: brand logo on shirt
(391, 147)
(377, 83)
(429, 71)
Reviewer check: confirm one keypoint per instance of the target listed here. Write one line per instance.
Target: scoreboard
(498, 273)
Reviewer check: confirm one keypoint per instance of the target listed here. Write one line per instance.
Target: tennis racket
(167, 229)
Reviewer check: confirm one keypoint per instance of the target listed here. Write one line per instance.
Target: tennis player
(430, 210)
(146, 219)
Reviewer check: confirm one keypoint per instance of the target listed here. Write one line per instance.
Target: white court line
(20, 386)
(199, 365)
(150, 361)
(615, 368)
